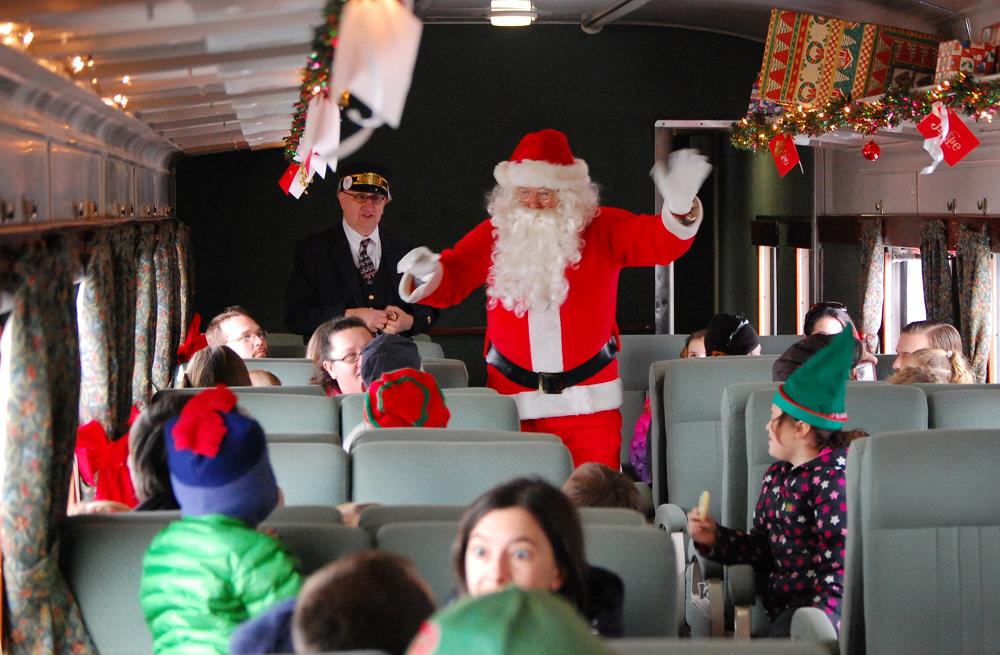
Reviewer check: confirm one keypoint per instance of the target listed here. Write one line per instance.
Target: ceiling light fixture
(512, 13)
(595, 22)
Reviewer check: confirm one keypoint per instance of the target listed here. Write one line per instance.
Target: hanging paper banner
(294, 180)
(946, 136)
(785, 154)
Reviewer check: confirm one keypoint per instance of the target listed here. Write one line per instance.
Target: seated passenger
(262, 378)
(731, 334)
(800, 522)
(368, 600)
(337, 352)
(595, 485)
(935, 366)
(405, 398)
(919, 335)
(235, 328)
(211, 570)
(216, 365)
(694, 345)
(510, 622)
(825, 318)
(147, 454)
(799, 353)
(527, 533)
(386, 353)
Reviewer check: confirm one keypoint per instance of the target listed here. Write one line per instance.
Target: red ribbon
(194, 341)
(105, 462)
(200, 428)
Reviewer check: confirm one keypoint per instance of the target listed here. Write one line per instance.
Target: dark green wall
(476, 91)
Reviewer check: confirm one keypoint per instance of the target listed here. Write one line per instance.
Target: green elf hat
(509, 622)
(815, 392)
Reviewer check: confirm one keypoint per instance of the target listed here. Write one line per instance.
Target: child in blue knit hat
(211, 570)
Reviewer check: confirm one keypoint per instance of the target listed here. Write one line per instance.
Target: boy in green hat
(800, 522)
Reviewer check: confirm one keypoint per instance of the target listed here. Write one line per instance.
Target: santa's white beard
(533, 247)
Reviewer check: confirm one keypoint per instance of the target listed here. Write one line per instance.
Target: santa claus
(550, 257)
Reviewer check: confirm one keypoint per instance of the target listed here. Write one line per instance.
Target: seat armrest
(671, 518)
(741, 585)
(813, 625)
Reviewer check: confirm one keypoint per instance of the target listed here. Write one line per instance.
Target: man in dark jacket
(350, 270)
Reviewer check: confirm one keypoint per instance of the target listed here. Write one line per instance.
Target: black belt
(552, 382)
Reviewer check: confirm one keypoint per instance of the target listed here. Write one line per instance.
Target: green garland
(316, 74)
(980, 100)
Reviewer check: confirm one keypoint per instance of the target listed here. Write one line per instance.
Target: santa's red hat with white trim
(542, 159)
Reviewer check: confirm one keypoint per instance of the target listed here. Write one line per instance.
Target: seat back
(470, 411)
(448, 372)
(303, 437)
(291, 371)
(315, 545)
(429, 349)
(451, 435)
(731, 508)
(776, 344)
(279, 412)
(310, 473)
(687, 458)
(643, 557)
(285, 345)
(449, 473)
(930, 526)
(659, 646)
(428, 545)
(297, 390)
(963, 406)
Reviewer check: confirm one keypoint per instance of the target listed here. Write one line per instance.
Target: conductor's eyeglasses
(376, 199)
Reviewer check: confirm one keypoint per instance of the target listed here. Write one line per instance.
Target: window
(905, 291)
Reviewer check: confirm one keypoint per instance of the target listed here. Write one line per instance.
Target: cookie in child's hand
(704, 503)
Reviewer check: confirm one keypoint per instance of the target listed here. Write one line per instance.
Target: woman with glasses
(731, 334)
(337, 355)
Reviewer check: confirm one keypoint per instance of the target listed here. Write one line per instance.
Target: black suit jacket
(325, 283)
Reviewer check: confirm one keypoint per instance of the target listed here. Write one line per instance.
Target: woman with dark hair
(527, 533)
(825, 318)
(147, 455)
(214, 365)
(335, 349)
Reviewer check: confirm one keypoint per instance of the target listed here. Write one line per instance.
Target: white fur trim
(545, 339)
(581, 399)
(529, 173)
(677, 228)
(417, 292)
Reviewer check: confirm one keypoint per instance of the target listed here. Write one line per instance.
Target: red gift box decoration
(972, 57)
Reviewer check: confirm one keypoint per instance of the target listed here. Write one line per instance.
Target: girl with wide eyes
(527, 533)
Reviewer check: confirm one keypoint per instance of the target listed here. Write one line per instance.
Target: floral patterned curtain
(124, 241)
(42, 417)
(870, 282)
(936, 272)
(166, 315)
(145, 315)
(98, 357)
(975, 296)
(184, 278)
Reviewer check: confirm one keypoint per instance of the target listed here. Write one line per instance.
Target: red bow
(194, 341)
(200, 428)
(105, 462)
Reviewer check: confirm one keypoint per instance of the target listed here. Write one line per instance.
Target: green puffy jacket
(204, 575)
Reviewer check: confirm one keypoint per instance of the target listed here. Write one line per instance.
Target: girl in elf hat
(800, 522)
(211, 570)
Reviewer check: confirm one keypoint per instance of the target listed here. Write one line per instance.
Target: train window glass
(907, 299)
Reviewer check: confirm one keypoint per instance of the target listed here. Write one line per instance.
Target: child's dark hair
(596, 485)
(147, 449)
(368, 600)
(831, 438)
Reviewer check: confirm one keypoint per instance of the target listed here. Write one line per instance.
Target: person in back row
(527, 533)
(800, 522)
(216, 365)
(935, 366)
(595, 485)
(731, 334)
(235, 328)
(336, 348)
(403, 398)
(919, 335)
(211, 570)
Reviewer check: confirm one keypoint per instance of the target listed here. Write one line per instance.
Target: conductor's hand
(375, 319)
(419, 262)
(399, 320)
(703, 531)
(678, 182)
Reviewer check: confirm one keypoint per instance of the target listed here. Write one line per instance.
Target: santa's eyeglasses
(527, 195)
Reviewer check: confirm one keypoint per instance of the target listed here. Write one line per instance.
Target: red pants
(590, 437)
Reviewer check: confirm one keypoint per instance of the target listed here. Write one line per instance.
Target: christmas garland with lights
(316, 73)
(980, 100)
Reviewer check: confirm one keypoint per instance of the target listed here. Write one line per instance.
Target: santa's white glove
(420, 262)
(679, 182)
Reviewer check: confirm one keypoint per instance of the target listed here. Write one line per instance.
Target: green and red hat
(406, 398)
(815, 392)
(508, 622)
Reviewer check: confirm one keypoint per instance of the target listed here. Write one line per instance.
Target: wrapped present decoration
(972, 57)
(809, 59)
(991, 34)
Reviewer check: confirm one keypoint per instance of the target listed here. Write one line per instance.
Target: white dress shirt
(355, 239)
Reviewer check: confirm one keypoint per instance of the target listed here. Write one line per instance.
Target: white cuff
(424, 289)
(678, 228)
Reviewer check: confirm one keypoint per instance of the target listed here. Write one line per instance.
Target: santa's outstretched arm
(678, 182)
(422, 274)
(446, 279)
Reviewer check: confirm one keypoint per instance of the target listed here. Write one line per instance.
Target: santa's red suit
(572, 338)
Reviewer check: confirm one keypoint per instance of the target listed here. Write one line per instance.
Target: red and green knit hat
(815, 392)
(406, 398)
(508, 622)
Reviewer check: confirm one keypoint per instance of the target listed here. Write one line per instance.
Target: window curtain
(184, 279)
(42, 413)
(98, 357)
(145, 315)
(975, 296)
(166, 315)
(124, 241)
(871, 281)
(936, 272)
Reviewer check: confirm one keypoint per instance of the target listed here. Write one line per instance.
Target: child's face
(508, 546)
(782, 438)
